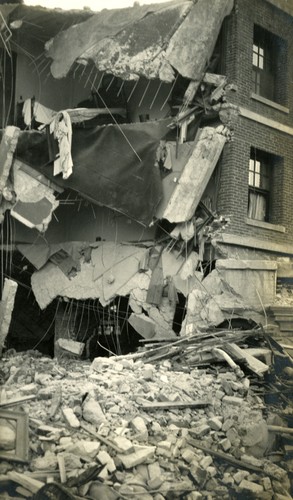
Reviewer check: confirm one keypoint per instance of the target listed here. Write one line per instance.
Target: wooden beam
(167, 405)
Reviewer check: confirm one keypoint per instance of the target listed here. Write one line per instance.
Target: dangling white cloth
(62, 129)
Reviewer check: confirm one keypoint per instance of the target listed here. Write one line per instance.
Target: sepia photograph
(146, 249)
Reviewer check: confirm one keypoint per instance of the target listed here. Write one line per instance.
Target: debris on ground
(158, 423)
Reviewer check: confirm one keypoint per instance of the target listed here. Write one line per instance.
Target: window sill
(265, 225)
(270, 103)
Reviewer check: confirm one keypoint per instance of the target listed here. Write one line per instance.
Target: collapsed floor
(166, 422)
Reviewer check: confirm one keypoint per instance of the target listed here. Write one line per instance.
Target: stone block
(232, 400)
(215, 423)
(70, 418)
(92, 412)
(139, 427)
(253, 488)
(225, 444)
(139, 456)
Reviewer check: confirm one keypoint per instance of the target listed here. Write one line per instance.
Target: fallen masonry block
(200, 431)
(225, 444)
(154, 470)
(92, 412)
(215, 423)
(198, 474)
(155, 483)
(250, 486)
(188, 455)
(105, 459)
(144, 325)
(70, 418)
(139, 456)
(71, 346)
(233, 400)
(138, 425)
(124, 444)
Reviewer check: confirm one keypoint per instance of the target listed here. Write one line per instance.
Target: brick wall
(237, 65)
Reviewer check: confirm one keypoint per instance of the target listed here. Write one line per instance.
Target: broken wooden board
(167, 405)
(254, 364)
(6, 308)
(195, 176)
(26, 481)
(17, 401)
(225, 456)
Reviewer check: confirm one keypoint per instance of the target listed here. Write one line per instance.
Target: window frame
(259, 180)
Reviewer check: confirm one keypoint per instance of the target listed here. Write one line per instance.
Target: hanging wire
(48, 329)
(156, 94)
(169, 94)
(144, 93)
(132, 91)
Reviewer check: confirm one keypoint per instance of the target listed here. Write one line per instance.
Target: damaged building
(146, 173)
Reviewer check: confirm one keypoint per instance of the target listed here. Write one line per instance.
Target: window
(260, 168)
(269, 55)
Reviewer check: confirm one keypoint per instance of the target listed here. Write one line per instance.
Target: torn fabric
(61, 129)
(114, 165)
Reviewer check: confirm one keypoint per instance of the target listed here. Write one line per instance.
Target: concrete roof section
(148, 40)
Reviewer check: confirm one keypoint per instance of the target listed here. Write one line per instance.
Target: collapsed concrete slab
(179, 35)
(195, 176)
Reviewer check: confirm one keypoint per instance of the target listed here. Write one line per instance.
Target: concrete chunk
(215, 423)
(70, 418)
(250, 486)
(233, 400)
(138, 457)
(139, 427)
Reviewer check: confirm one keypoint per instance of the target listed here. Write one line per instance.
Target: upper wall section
(254, 25)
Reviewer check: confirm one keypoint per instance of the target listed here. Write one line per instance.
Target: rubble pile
(122, 427)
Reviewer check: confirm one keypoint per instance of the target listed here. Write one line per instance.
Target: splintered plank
(195, 176)
(25, 481)
(240, 464)
(254, 364)
(168, 405)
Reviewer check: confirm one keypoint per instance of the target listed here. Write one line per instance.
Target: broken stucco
(88, 38)
(35, 201)
(6, 308)
(190, 187)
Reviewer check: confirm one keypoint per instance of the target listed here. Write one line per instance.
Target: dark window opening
(269, 65)
(180, 313)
